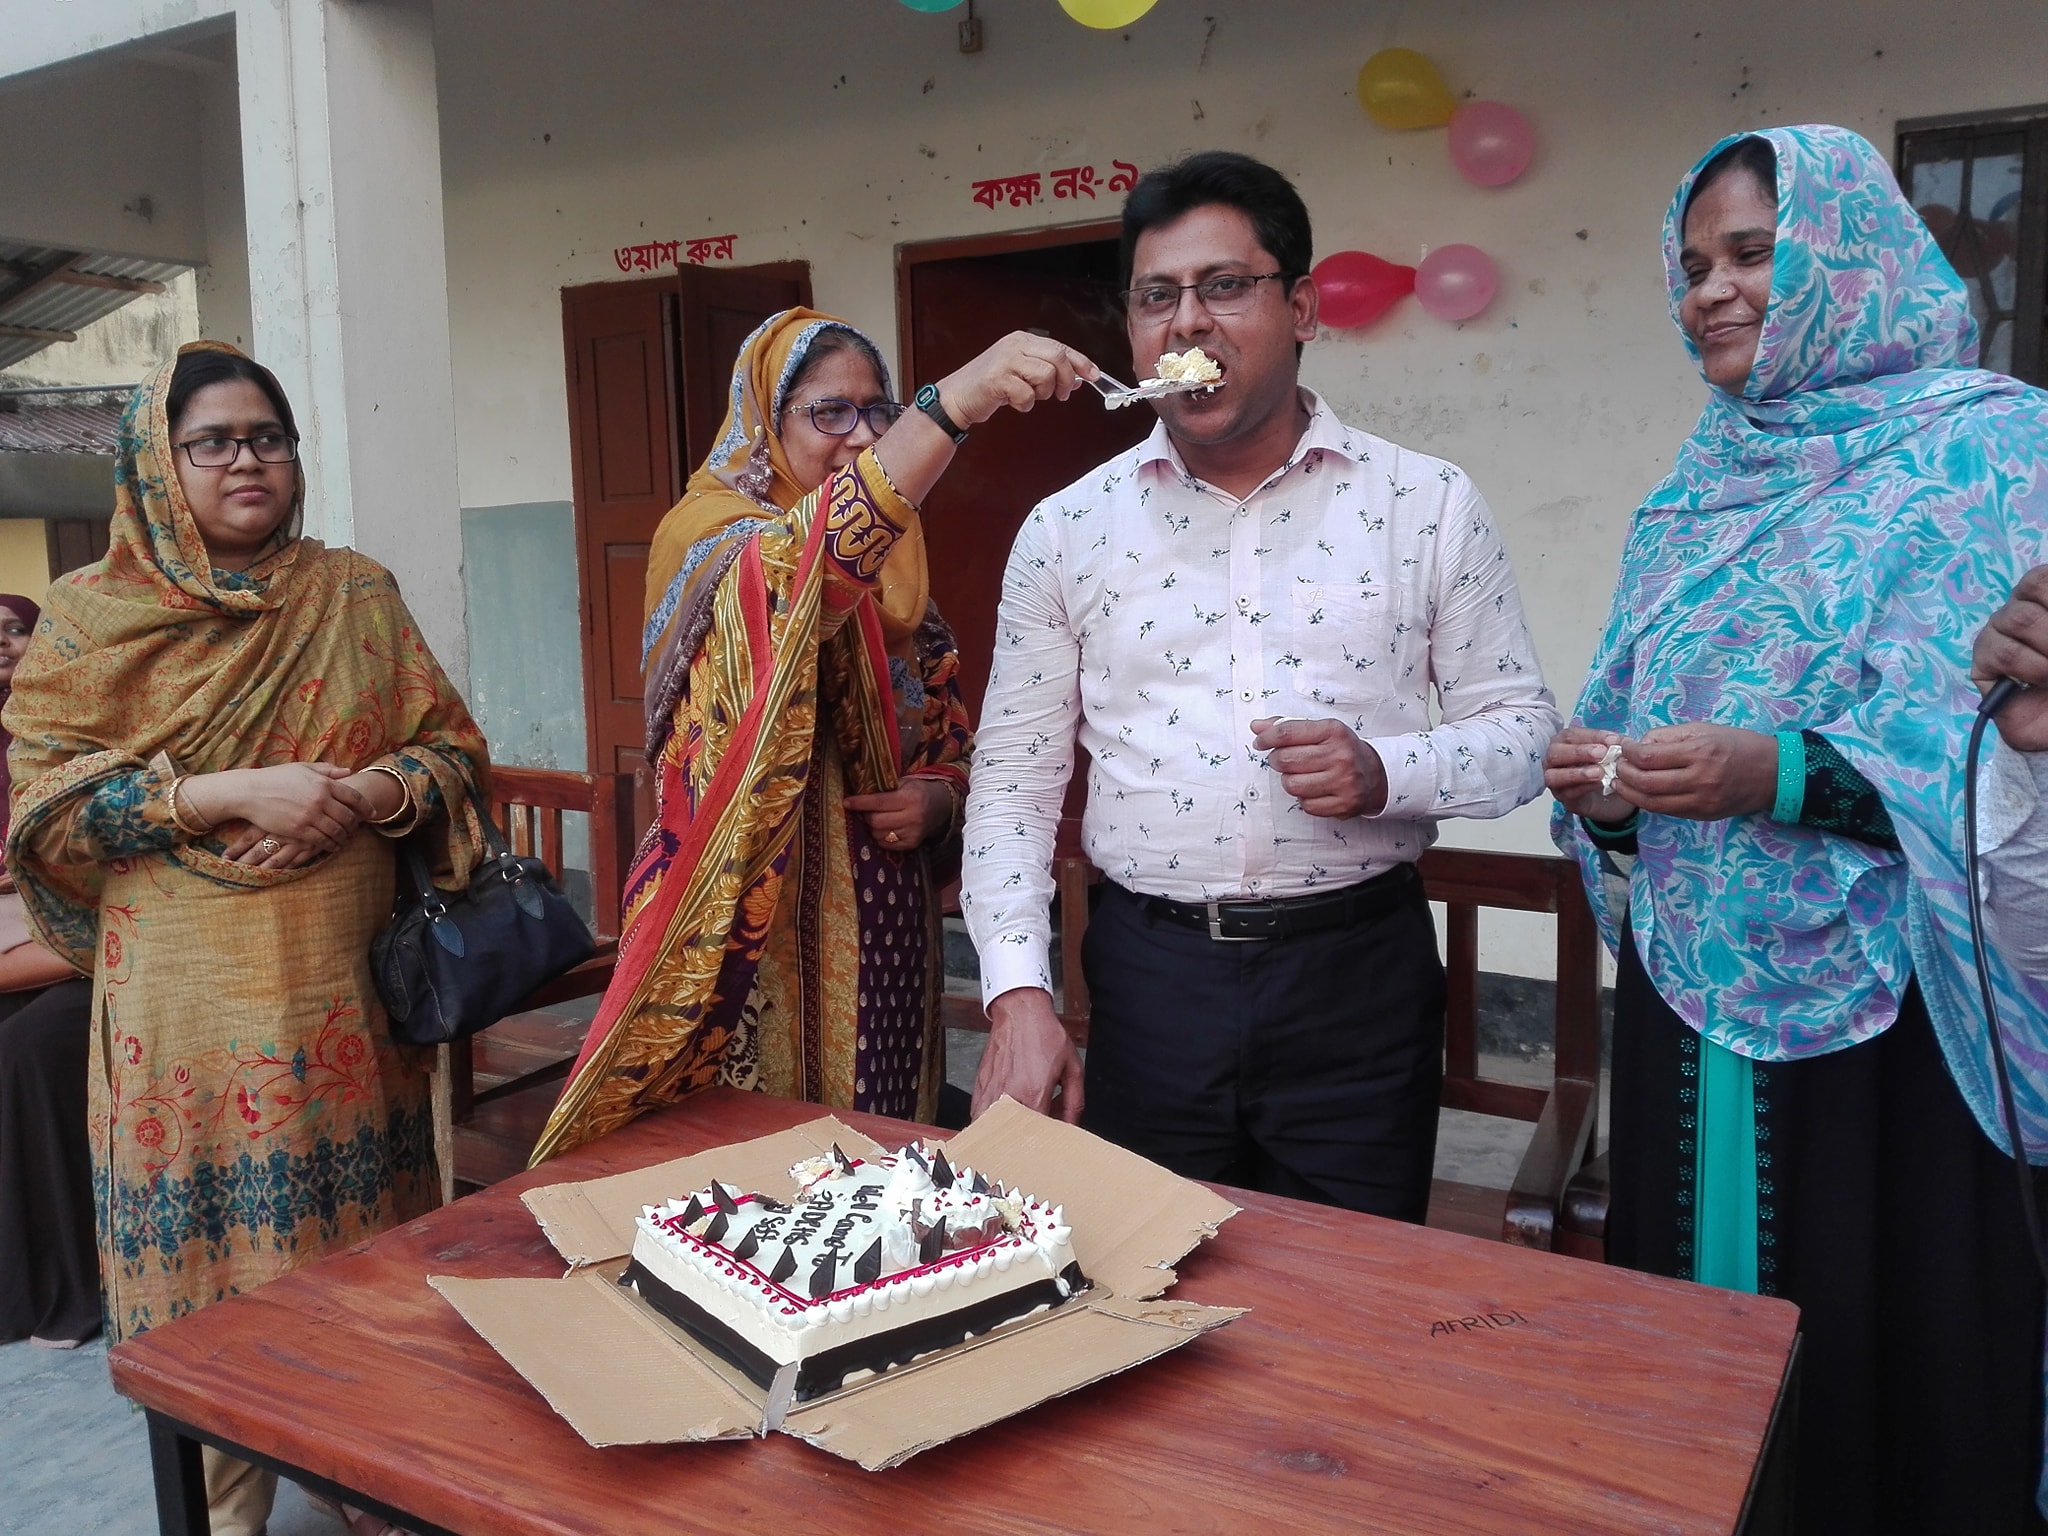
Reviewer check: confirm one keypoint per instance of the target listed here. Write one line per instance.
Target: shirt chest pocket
(1342, 639)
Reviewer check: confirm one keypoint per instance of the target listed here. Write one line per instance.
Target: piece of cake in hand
(879, 1261)
(1193, 366)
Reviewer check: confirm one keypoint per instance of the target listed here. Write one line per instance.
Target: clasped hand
(908, 815)
(1699, 771)
(284, 816)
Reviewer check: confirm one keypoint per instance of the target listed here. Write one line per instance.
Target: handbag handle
(434, 902)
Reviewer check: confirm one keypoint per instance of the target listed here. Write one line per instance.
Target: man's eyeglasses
(220, 452)
(1227, 293)
(836, 418)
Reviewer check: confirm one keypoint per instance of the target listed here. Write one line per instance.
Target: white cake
(878, 1261)
(1193, 366)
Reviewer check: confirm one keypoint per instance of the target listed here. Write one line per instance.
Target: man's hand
(2015, 645)
(1029, 1057)
(1703, 772)
(1324, 765)
(1572, 772)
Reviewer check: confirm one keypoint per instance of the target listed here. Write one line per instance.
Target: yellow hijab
(308, 655)
(747, 473)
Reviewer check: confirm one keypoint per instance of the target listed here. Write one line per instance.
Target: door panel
(648, 362)
(958, 307)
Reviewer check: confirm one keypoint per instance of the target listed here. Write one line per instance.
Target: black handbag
(453, 962)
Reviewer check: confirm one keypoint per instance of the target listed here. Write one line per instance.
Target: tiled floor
(74, 1459)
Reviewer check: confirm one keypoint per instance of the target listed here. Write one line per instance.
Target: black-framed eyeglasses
(1227, 293)
(836, 418)
(220, 452)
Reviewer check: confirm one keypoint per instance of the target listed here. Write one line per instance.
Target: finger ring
(888, 837)
(268, 846)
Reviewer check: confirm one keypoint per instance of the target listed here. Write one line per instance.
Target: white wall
(833, 130)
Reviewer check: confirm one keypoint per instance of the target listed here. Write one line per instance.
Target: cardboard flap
(886, 1422)
(1131, 1218)
(593, 1221)
(601, 1360)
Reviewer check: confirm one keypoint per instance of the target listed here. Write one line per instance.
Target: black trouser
(1886, 1214)
(1307, 1066)
(49, 1258)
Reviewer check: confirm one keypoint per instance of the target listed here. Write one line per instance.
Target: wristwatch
(927, 400)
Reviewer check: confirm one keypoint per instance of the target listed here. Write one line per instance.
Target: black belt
(1241, 921)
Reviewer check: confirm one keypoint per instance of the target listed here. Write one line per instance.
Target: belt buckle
(1214, 910)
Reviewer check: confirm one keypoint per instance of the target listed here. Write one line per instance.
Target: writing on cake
(877, 1262)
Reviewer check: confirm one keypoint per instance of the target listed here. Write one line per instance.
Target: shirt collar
(1324, 433)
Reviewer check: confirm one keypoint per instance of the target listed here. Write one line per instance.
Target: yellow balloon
(1106, 14)
(1399, 88)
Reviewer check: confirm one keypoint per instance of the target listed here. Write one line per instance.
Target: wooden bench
(479, 1136)
(1566, 1114)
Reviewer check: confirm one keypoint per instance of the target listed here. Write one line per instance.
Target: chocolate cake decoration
(942, 1171)
(825, 1274)
(933, 1243)
(784, 1266)
(867, 1269)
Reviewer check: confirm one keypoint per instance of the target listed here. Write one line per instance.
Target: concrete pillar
(348, 283)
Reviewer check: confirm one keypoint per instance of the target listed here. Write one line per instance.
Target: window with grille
(1981, 183)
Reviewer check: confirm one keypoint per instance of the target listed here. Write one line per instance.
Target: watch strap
(927, 400)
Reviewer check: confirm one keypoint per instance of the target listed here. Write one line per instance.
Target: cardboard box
(622, 1375)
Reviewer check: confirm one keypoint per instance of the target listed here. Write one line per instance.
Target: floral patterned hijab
(747, 475)
(1831, 539)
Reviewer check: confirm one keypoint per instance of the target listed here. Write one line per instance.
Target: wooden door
(648, 363)
(958, 297)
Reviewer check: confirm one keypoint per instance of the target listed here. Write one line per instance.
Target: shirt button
(1246, 695)
(1251, 794)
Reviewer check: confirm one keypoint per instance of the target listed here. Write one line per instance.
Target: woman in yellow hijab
(218, 730)
(810, 747)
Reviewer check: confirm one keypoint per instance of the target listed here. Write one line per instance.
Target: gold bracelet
(179, 812)
(405, 801)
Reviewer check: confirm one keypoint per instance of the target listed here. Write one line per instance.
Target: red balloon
(1357, 287)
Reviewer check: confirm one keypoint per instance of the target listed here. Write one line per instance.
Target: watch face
(928, 395)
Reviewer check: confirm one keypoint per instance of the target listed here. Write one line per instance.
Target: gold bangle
(405, 800)
(179, 811)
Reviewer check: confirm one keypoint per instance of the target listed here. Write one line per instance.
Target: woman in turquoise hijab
(1763, 787)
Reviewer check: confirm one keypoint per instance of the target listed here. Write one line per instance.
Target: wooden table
(1389, 1378)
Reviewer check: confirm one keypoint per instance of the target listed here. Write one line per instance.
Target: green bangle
(1791, 777)
(1615, 834)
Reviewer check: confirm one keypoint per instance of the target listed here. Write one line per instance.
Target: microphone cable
(1999, 696)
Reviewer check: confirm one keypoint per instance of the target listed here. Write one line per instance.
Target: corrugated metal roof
(42, 299)
(61, 420)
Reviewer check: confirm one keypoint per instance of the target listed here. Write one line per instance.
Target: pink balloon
(1455, 282)
(1490, 143)
(1357, 287)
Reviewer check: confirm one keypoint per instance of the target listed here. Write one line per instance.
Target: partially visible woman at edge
(1802, 1083)
(218, 731)
(49, 1266)
(781, 927)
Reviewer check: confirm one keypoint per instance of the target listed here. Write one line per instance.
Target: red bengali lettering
(1074, 181)
(1023, 190)
(1124, 176)
(988, 193)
